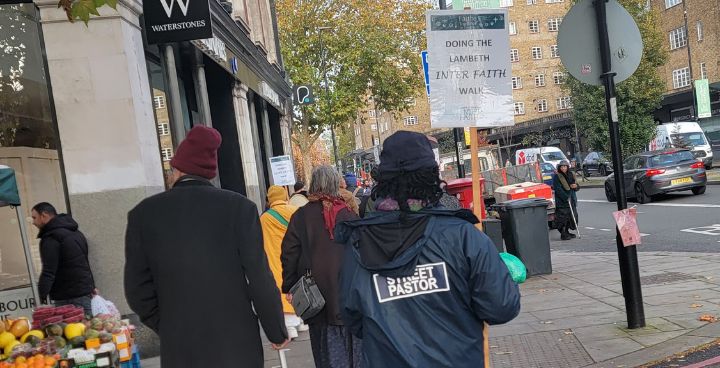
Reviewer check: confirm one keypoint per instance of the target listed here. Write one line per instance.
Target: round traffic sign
(579, 44)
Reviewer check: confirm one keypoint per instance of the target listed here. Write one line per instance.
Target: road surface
(674, 222)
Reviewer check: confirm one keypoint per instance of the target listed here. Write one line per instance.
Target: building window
(516, 82)
(159, 102)
(514, 55)
(678, 38)
(540, 80)
(513, 28)
(164, 129)
(537, 53)
(531, 2)
(554, 51)
(703, 71)
(534, 26)
(699, 27)
(519, 108)
(371, 113)
(542, 105)
(376, 141)
(410, 101)
(554, 24)
(410, 120)
(563, 103)
(559, 77)
(553, 1)
(670, 3)
(167, 154)
(506, 3)
(681, 78)
(373, 127)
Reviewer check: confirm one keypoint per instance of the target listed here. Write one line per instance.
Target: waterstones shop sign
(176, 20)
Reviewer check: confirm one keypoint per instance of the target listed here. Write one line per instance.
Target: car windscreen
(546, 167)
(553, 156)
(672, 158)
(688, 139)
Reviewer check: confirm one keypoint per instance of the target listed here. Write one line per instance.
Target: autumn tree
(317, 155)
(637, 97)
(367, 48)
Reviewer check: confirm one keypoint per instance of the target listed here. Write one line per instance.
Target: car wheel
(586, 173)
(640, 195)
(708, 167)
(699, 190)
(609, 193)
(603, 170)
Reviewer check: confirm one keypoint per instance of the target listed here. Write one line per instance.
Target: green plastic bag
(517, 269)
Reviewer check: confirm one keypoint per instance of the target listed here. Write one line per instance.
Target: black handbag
(307, 300)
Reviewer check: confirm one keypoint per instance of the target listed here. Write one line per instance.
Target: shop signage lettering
(176, 20)
(270, 95)
(16, 303)
(214, 47)
(427, 279)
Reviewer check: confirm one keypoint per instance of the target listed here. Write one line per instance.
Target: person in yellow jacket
(274, 226)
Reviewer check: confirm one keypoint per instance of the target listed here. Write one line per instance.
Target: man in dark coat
(196, 271)
(419, 281)
(66, 276)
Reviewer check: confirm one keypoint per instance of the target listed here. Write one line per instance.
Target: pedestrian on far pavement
(565, 187)
(348, 197)
(66, 276)
(300, 197)
(419, 281)
(195, 266)
(274, 225)
(309, 245)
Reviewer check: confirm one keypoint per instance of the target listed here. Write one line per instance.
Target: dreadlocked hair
(424, 185)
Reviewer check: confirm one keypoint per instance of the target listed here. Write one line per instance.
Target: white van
(683, 134)
(552, 155)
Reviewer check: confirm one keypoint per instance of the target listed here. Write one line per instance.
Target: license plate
(546, 177)
(681, 181)
(531, 195)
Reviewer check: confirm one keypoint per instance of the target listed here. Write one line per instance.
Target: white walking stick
(572, 213)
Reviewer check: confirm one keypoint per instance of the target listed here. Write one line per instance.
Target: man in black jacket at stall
(66, 276)
(196, 271)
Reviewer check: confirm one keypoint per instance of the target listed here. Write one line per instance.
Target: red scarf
(331, 207)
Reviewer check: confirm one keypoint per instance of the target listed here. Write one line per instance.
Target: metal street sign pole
(629, 269)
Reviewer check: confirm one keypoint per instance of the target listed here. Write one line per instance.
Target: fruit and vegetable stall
(62, 337)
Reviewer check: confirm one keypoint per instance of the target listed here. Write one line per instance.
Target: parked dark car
(657, 172)
(597, 163)
(548, 170)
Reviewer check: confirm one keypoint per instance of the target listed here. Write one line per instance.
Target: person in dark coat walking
(196, 271)
(309, 245)
(565, 187)
(66, 276)
(419, 281)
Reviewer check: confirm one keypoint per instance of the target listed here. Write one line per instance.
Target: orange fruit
(21, 365)
(50, 361)
(21, 359)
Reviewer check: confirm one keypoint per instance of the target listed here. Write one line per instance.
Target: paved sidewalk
(576, 316)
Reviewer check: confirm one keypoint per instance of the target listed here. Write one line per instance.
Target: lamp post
(327, 96)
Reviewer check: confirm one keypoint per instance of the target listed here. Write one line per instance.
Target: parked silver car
(657, 172)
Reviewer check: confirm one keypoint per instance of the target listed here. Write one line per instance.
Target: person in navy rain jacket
(419, 281)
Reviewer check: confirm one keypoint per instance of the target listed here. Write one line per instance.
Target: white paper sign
(16, 303)
(283, 172)
(469, 67)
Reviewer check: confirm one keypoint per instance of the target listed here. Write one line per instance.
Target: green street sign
(702, 93)
(475, 4)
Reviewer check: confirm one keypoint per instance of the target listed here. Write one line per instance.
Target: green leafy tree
(637, 97)
(367, 48)
(84, 9)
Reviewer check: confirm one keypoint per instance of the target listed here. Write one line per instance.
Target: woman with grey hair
(309, 246)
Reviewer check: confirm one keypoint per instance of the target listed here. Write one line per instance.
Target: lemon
(6, 338)
(74, 330)
(9, 347)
